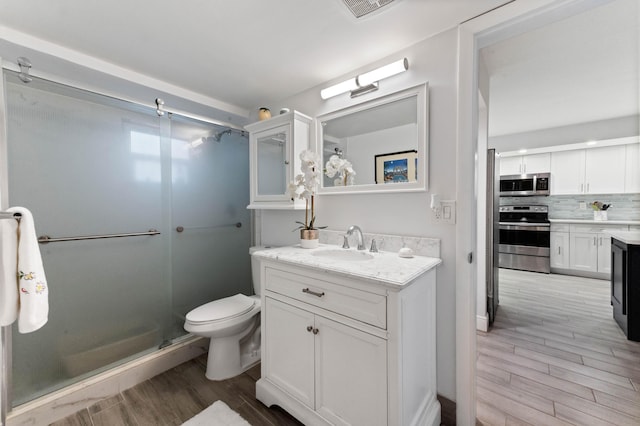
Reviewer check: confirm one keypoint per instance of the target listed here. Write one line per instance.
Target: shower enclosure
(173, 188)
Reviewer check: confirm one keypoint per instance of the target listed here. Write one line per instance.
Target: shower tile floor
(176, 395)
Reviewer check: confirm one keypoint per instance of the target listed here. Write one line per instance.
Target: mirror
(376, 146)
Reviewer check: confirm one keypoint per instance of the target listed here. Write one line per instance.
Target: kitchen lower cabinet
(590, 248)
(583, 252)
(625, 287)
(559, 250)
(338, 350)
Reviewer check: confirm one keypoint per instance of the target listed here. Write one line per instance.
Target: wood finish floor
(555, 356)
(176, 395)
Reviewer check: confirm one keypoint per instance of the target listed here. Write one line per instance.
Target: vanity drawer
(360, 305)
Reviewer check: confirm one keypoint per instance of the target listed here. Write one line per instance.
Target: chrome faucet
(359, 237)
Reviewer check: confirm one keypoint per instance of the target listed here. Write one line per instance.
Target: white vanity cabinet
(274, 149)
(341, 350)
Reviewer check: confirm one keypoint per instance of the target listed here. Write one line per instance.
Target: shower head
(218, 136)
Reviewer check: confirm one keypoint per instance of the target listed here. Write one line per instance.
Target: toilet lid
(226, 308)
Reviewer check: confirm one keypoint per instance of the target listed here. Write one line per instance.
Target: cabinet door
(583, 251)
(288, 357)
(271, 177)
(604, 253)
(604, 170)
(567, 172)
(351, 375)
(536, 163)
(632, 169)
(511, 165)
(559, 250)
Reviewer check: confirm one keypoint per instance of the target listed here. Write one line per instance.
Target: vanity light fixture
(367, 82)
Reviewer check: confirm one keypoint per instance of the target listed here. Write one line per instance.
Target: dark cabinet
(625, 287)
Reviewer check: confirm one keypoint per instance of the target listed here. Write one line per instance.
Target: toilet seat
(222, 309)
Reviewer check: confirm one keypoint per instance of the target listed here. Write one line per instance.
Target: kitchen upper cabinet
(274, 159)
(521, 164)
(588, 171)
(604, 170)
(567, 172)
(632, 169)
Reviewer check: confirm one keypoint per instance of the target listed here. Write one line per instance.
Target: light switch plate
(447, 212)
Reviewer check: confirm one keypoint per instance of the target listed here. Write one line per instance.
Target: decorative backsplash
(421, 246)
(623, 206)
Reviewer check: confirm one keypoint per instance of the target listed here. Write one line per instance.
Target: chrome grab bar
(44, 239)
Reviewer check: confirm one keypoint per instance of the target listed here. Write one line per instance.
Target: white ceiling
(248, 53)
(577, 70)
(243, 52)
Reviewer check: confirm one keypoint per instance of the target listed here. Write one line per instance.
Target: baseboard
(64, 402)
(482, 322)
(447, 411)
(586, 274)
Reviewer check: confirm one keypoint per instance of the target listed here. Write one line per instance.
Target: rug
(217, 414)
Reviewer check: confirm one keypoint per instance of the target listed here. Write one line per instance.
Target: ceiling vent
(359, 8)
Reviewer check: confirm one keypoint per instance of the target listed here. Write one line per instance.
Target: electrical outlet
(438, 213)
(583, 205)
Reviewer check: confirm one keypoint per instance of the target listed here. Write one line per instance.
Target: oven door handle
(509, 226)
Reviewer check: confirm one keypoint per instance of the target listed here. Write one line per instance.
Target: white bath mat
(217, 414)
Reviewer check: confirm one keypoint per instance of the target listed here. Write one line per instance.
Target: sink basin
(342, 254)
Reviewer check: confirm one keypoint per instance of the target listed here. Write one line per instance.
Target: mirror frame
(421, 92)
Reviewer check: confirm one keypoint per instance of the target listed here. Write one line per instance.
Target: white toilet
(233, 325)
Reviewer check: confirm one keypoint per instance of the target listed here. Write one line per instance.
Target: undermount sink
(341, 254)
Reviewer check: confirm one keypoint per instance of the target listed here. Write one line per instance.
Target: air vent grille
(362, 7)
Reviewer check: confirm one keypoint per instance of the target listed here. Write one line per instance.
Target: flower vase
(599, 215)
(309, 238)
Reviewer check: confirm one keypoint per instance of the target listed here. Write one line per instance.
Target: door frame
(514, 18)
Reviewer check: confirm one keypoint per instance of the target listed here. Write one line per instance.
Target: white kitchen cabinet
(274, 150)
(583, 252)
(590, 247)
(559, 250)
(605, 170)
(567, 172)
(341, 350)
(632, 169)
(588, 171)
(521, 164)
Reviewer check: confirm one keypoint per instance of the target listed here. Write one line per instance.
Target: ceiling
(577, 70)
(244, 52)
(254, 52)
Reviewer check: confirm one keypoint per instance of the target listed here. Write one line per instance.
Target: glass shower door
(211, 229)
(88, 165)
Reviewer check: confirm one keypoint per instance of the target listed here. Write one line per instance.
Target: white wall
(433, 60)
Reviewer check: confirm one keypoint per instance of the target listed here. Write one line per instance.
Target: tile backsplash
(623, 206)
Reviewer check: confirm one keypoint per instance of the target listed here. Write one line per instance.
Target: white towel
(32, 282)
(8, 271)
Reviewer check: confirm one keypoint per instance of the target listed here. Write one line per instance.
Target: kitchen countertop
(596, 222)
(384, 268)
(628, 237)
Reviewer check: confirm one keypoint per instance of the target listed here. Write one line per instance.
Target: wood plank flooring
(555, 356)
(176, 395)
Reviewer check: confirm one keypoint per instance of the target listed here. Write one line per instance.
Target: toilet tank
(255, 270)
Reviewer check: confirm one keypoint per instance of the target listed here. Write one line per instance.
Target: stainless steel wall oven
(524, 238)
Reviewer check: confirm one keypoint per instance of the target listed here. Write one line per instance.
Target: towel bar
(45, 239)
(10, 215)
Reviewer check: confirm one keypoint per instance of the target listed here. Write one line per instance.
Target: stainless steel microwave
(524, 185)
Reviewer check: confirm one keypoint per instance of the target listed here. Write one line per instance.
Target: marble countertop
(628, 237)
(385, 268)
(597, 222)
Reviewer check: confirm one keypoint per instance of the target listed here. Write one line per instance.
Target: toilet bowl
(233, 326)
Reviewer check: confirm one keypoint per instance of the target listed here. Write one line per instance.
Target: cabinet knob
(309, 328)
(286, 162)
(315, 331)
